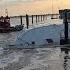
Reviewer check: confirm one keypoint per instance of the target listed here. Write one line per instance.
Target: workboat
(6, 27)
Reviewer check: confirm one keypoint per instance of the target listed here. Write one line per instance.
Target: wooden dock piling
(65, 27)
(65, 40)
(27, 21)
(36, 18)
(32, 19)
(21, 20)
(41, 17)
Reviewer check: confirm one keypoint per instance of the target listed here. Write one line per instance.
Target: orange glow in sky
(21, 7)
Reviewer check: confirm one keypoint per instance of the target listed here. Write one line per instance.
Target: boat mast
(52, 9)
(6, 12)
(6, 8)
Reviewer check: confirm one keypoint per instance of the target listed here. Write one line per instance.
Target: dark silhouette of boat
(54, 16)
(6, 27)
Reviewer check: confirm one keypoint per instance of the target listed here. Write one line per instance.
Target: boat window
(49, 40)
(33, 42)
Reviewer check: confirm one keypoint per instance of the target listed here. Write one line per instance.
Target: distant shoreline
(33, 15)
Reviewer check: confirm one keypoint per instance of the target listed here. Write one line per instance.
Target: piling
(41, 17)
(27, 21)
(32, 19)
(36, 18)
(65, 40)
(21, 20)
(65, 28)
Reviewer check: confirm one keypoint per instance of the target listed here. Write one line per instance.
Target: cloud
(13, 2)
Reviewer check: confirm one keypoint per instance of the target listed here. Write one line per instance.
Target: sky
(22, 7)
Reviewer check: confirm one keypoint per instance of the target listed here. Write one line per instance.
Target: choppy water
(28, 59)
(31, 59)
(16, 21)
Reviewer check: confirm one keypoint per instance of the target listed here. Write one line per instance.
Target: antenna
(6, 11)
(52, 6)
(52, 9)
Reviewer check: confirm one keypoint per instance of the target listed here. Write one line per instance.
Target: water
(11, 37)
(29, 59)
(16, 21)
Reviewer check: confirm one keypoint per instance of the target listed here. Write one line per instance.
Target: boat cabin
(4, 22)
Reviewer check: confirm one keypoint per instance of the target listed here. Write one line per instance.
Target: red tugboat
(5, 25)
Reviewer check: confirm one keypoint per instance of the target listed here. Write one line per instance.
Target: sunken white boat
(40, 36)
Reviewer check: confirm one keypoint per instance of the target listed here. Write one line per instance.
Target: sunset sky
(21, 7)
